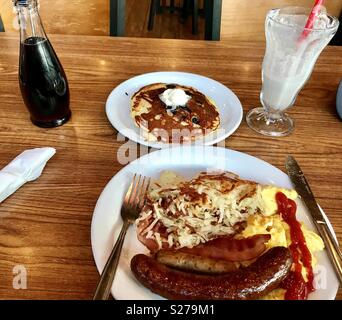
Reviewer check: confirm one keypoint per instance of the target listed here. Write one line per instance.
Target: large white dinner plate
(118, 104)
(186, 161)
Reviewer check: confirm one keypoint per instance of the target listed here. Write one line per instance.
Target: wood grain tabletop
(45, 226)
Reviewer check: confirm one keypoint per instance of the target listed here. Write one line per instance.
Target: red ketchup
(295, 285)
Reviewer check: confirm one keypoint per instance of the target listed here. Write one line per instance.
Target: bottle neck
(29, 20)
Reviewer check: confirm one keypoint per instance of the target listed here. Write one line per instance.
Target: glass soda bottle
(43, 82)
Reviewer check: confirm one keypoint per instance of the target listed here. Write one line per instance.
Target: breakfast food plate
(206, 97)
(187, 162)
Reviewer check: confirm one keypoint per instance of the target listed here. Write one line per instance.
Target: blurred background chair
(193, 7)
(188, 6)
(242, 20)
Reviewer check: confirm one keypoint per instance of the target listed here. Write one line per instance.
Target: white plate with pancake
(118, 105)
(186, 161)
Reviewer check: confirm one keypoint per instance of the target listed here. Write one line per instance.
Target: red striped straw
(311, 20)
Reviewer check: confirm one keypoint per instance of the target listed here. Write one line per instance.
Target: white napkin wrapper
(28, 166)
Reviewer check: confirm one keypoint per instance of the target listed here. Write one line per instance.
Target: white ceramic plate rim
(132, 132)
(102, 243)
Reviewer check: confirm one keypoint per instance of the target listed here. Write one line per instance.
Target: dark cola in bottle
(42, 80)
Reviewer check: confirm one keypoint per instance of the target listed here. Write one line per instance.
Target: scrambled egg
(166, 179)
(268, 196)
(280, 236)
(280, 233)
(277, 294)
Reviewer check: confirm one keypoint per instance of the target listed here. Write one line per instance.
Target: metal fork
(132, 206)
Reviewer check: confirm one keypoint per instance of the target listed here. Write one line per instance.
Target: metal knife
(302, 187)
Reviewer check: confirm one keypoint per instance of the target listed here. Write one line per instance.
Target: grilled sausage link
(252, 282)
(190, 262)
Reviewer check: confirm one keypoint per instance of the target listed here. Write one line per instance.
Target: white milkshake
(288, 64)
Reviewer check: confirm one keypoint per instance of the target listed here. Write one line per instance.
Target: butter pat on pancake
(169, 123)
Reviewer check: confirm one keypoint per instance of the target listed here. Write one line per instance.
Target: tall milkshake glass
(291, 53)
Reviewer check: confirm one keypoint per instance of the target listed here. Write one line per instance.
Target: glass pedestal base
(279, 125)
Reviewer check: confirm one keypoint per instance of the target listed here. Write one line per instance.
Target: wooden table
(45, 226)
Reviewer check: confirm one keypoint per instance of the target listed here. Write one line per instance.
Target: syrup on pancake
(160, 122)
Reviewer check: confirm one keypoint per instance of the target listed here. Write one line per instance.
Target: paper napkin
(28, 166)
